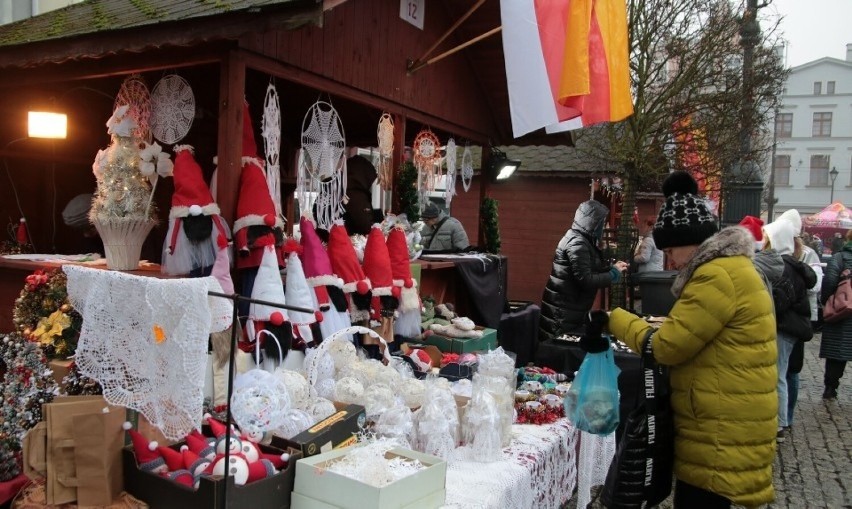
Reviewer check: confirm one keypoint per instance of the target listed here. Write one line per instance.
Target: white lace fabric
(538, 471)
(596, 453)
(144, 340)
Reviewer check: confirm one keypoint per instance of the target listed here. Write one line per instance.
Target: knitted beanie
(684, 219)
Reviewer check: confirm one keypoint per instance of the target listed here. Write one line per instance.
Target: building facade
(813, 129)
(14, 10)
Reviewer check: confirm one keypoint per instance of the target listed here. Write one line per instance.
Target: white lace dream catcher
(427, 160)
(466, 168)
(322, 167)
(172, 109)
(271, 131)
(385, 139)
(450, 181)
(134, 94)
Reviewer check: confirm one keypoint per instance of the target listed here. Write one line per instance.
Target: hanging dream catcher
(385, 138)
(466, 168)
(322, 168)
(427, 159)
(172, 109)
(271, 131)
(134, 94)
(450, 182)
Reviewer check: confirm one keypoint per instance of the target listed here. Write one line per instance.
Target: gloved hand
(593, 340)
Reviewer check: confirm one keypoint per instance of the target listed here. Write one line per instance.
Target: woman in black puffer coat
(579, 271)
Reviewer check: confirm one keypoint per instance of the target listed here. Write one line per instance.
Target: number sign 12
(413, 11)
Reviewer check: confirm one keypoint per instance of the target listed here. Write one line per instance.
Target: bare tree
(686, 70)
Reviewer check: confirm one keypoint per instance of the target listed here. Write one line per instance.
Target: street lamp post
(833, 174)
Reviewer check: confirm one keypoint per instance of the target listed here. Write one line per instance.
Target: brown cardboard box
(334, 432)
(60, 369)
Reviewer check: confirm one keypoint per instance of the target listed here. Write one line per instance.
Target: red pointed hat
(174, 459)
(377, 263)
(190, 188)
(200, 446)
(315, 260)
(147, 455)
(753, 225)
(254, 204)
(260, 469)
(344, 260)
(401, 268)
(193, 462)
(181, 476)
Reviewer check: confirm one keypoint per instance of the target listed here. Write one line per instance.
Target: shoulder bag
(838, 307)
(640, 474)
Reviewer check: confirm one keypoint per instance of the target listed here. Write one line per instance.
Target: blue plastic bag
(592, 402)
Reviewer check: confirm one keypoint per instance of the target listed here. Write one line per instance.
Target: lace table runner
(538, 471)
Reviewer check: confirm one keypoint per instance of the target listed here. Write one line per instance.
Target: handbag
(640, 474)
(838, 307)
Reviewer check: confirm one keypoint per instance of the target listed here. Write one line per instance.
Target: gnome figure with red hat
(257, 224)
(196, 230)
(344, 262)
(408, 317)
(327, 287)
(377, 267)
(268, 287)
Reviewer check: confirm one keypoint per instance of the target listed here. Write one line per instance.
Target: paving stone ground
(813, 467)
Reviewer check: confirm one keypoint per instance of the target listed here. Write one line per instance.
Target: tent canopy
(835, 215)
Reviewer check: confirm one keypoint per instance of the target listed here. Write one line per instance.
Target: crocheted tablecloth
(538, 470)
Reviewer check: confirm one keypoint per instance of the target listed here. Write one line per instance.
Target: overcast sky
(814, 28)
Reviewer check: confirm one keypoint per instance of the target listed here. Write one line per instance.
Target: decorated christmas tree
(122, 210)
(490, 225)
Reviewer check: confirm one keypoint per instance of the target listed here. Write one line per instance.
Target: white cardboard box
(316, 484)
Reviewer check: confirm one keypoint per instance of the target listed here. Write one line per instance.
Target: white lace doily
(322, 166)
(271, 132)
(450, 181)
(596, 453)
(385, 139)
(145, 339)
(466, 168)
(537, 471)
(172, 109)
(134, 93)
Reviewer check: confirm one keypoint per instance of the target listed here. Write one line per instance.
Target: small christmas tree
(409, 201)
(490, 225)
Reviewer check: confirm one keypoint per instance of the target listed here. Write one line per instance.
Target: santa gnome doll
(408, 318)
(257, 224)
(268, 287)
(377, 267)
(344, 262)
(327, 288)
(299, 295)
(195, 227)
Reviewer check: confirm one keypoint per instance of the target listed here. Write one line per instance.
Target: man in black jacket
(579, 271)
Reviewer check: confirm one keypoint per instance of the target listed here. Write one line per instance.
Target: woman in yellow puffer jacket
(719, 340)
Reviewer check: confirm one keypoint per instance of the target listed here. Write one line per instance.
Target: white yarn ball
(412, 390)
(377, 399)
(369, 372)
(342, 353)
(259, 402)
(349, 390)
(322, 408)
(295, 422)
(386, 375)
(297, 387)
(325, 388)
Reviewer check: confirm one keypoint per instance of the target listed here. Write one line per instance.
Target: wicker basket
(123, 239)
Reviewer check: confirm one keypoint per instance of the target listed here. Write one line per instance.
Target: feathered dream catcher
(385, 138)
(172, 109)
(466, 168)
(135, 95)
(271, 132)
(322, 167)
(450, 181)
(427, 160)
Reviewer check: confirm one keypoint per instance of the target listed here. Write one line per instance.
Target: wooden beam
(416, 66)
(289, 72)
(484, 185)
(232, 83)
(443, 37)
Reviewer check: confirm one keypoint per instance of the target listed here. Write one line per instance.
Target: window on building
(782, 170)
(784, 125)
(819, 171)
(817, 87)
(829, 88)
(822, 125)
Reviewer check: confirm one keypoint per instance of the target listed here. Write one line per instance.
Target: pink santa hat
(222, 267)
(315, 259)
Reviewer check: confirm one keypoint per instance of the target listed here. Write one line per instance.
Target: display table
(539, 470)
(13, 272)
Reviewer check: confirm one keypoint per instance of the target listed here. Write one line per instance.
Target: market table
(538, 470)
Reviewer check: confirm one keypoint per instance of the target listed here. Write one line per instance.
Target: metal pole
(770, 197)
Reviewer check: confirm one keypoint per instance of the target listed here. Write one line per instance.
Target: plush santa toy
(327, 287)
(344, 262)
(377, 267)
(148, 457)
(408, 317)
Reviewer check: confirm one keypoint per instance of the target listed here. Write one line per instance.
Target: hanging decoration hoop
(384, 134)
(271, 131)
(135, 95)
(322, 165)
(450, 181)
(466, 168)
(427, 159)
(172, 109)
